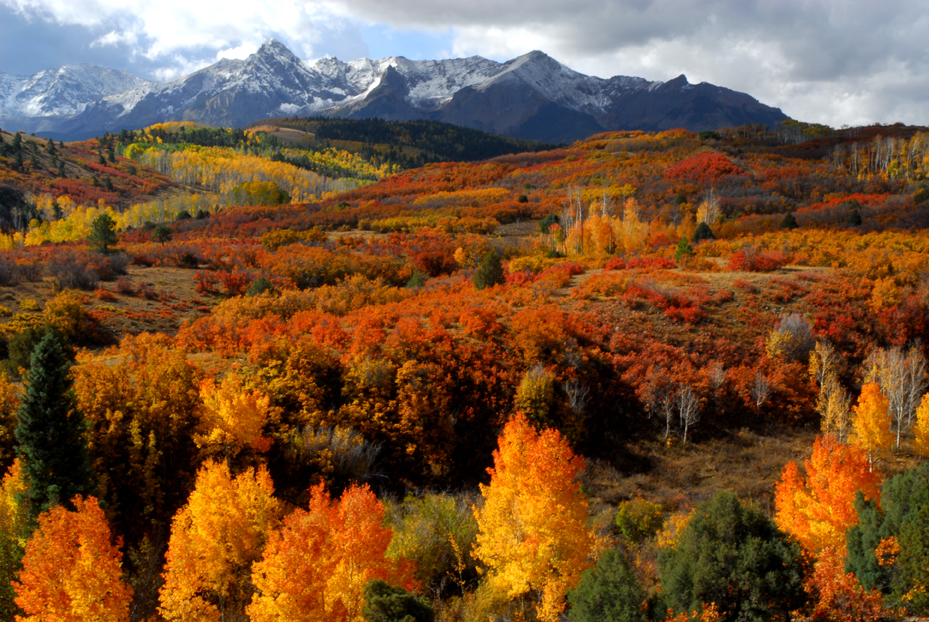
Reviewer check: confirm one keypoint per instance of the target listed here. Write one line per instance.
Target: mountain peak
(273, 47)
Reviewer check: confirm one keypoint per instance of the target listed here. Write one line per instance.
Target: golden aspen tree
(14, 531)
(871, 424)
(233, 418)
(214, 540)
(921, 442)
(819, 508)
(532, 537)
(71, 570)
(317, 566)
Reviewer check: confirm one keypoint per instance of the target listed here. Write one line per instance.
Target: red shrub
(749, 260)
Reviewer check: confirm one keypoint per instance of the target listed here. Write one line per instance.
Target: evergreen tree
(609, 592)
(789, 222)
(103, 233)
(901, 514)
(162, 234)
(683, 249)
(703, 232)
(854, 219)
(386, 603)
(490, 272)
(734, 556)
(50, 433)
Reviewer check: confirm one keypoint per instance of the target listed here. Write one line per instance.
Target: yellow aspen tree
(872, 424)
(233, 418)
(71, 570)
(921, 429)
(14, 531)
(532, 538)
(214, 540)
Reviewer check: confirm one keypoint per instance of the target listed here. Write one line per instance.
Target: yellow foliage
(871, 423)
(233, 418)
(215, 538)
(532, 535)
(921, 443)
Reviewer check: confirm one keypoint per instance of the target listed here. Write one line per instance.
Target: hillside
(680, 307)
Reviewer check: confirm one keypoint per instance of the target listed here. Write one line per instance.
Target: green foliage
(639, 519)
(162, 234)
(921, 196)
(709, 134)
(258, 193)
(736, 557)
(854, 217)
(20, 346)
(259, 286)
(410, 143)
(608, 592)
(789, 222)
(535, 396)
(913, 563)
(903, 512)
(546, 224)
(51, 431)
(703, 232)
(683, 250)
(490, 272)
(386, 603)
(417, 280)
(102, 233)
(437, 533)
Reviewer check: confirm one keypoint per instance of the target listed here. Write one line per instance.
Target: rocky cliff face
(533, 96)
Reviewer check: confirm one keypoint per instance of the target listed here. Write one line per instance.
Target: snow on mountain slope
(62, 92)
(82, 100)
(563, 85)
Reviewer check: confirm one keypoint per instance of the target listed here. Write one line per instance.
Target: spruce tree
(50, 434)
(490, 272)
(102, 233)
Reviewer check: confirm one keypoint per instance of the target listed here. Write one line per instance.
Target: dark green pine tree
(490, 272)
(50, 434)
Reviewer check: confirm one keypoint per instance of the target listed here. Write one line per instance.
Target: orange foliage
(71, 571)
(819, 508)
(838, 596)
(316, 567)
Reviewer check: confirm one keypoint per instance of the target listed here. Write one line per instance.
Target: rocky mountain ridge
(532, 96)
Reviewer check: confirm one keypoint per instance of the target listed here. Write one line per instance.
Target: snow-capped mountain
(62, 92)
(533, 96)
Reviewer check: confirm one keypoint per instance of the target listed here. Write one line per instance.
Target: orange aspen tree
(532, 536)
(214, 540)
(71, 570)
(820, 508)
(316, 567)
(871, 424)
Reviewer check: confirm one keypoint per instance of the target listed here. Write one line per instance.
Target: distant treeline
(411, 143)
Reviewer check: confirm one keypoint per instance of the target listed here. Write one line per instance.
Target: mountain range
(533, 97)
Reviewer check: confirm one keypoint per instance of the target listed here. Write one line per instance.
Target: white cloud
(831, 61)
(180, 32)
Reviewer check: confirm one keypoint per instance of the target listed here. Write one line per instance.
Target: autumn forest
(313, 370)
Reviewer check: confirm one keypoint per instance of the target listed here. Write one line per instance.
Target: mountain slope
(533, 97)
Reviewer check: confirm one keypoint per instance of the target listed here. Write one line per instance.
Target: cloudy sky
(836, 62)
